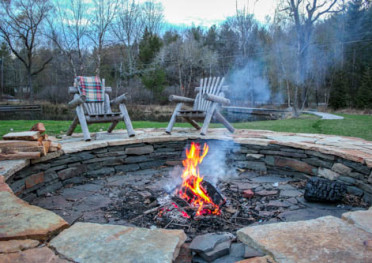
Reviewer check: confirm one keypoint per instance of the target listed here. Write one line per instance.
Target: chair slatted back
(96, 108)
(211, 85)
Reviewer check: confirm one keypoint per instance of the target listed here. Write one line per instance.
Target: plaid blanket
(91, 87)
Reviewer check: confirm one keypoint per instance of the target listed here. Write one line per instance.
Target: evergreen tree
(149, 46)
(339, 96)
(153, 78)
(364, 96)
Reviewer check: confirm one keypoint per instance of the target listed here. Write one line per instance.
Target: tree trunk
(30, 87)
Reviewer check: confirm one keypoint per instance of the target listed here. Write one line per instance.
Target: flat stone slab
(208, 242)
(326, 239)
(10, 167)
(17, 245)
(361, 219)
(95, 243)
(309, 213)
(19, 220)
(42, 255)
(270, 179)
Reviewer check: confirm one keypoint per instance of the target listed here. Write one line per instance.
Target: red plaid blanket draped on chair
(91, 88)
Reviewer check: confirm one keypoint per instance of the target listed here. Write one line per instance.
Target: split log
(25, 146)
(20, 155)
(46, 147)
(38, 127)
(54, 146)
(27, 136)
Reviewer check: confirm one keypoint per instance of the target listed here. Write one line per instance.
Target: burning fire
(192, 185)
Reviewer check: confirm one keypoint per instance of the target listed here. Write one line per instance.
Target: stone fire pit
(30, 233)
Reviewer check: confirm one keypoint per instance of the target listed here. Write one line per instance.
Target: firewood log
(38, 127)
(27, 136)
(24, 146)
(19, 155)
(46, 146)
(54, 146)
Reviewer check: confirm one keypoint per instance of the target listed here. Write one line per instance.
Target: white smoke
(248, 85)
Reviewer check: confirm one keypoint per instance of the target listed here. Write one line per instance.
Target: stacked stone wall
(74, 168)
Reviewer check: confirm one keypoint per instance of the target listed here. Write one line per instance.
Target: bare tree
(243, 23)
(20, 27)
(305, 13)
(152, 16)
(128, 28)
(103, 14)
(68, 30)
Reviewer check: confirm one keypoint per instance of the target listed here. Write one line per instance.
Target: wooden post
(215, 98)
(208, 118)
(180, 99)
(119, 99)
(222, 119)
(173, 118)
(72, 126)
(127, 121)
(83, 122)
(192, 122)
(112, 126)
(78, 100)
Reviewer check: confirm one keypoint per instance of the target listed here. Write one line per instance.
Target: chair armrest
(217, 99)
(78, 100)
(119, 100)
(176, 98)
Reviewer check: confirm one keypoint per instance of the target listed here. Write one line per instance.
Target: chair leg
(208, 118)
(222, 119)
(127, 121)
(83, 122)
(193, 123)
(112, 126)
(173, 118)
(72, 126)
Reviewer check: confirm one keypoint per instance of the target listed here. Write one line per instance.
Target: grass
(353, 125)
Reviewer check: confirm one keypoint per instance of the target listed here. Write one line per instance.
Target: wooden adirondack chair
(96, 109)
(210, 95)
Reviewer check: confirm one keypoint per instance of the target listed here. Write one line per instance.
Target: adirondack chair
(210, 95)
(93, 105)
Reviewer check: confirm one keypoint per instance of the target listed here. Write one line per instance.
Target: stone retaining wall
(50, 175)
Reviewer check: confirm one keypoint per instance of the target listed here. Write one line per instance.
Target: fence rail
(17, 108)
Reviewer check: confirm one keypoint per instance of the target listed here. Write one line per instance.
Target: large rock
(361, 219)
(88, 242)
(19, 220)
(326, 239)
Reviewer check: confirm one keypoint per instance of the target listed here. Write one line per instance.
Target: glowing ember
(192, 189)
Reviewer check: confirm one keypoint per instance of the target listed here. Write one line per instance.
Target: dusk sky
(209, 12)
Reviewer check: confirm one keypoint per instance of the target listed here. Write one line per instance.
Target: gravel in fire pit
(133, 199)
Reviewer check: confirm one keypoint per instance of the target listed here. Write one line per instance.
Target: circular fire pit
(126, 184)
(131, 182)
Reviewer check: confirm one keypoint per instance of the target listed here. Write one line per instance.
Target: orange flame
(192, 182)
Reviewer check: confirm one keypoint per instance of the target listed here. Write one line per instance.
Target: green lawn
(352, 125)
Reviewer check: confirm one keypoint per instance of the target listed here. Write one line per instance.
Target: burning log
(212, 191)
(197, 192)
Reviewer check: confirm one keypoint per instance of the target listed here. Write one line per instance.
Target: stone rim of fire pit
(354, 150)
